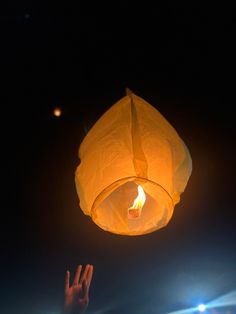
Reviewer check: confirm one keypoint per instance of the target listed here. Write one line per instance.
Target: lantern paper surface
(133, 168)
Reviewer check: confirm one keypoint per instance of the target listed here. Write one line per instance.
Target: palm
(77, 295)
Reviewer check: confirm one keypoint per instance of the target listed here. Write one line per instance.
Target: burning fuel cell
(135, 210)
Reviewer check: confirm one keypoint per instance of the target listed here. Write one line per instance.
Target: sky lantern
(133, 169)
(57, 112)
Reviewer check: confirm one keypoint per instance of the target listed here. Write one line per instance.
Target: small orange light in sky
(57, 112)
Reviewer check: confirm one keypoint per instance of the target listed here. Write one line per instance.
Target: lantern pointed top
(128, 91)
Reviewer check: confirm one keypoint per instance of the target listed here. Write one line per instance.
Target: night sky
(81, 58)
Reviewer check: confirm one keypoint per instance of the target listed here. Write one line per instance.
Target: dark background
(181, 59)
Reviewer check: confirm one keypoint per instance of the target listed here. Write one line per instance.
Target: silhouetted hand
(77, 295)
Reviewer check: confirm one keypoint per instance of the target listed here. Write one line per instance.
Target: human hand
(77, 295)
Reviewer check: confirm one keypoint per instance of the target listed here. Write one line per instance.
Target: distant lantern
(57, 112)
(133, 168)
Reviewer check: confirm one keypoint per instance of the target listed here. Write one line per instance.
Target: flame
(136, 209)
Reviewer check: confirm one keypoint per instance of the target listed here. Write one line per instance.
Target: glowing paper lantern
(133, 168)
(57, 112)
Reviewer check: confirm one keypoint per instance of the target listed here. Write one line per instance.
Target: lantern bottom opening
(110, 210)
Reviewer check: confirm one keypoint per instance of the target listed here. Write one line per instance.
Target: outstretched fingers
(89, 276)
(86, 280)
(84, 275)
(84, 289)
(77, 275)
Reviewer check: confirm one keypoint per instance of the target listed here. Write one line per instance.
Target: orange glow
(57, 112)
(131, 144)
(136, 210)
